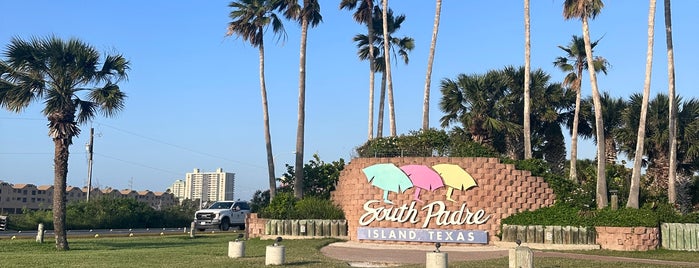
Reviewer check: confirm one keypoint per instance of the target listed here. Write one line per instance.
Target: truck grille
(205, 216)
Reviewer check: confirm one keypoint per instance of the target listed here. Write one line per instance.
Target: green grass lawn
(210, 250)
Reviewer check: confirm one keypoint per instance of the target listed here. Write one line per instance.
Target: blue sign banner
(423, 235)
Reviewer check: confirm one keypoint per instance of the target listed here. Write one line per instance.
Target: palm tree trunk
(672, 172)
(430, 61)
(576, 122)
(268, 136)
(382, 97)
(372, 73)
(636, 174)
(601, 192)
(610, 147)
(298, 167)
(60, 161)
(527, 73)
(387, 72)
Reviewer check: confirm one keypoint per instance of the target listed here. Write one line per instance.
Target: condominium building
(209, 186)
(14, 198)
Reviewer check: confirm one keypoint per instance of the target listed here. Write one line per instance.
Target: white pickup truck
(222, 215)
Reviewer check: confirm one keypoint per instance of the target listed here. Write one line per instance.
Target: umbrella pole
(416, 197)
(449, 192)
(385, 197)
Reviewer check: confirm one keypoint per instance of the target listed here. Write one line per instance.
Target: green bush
(317, 208)
(285, 206)
(563, 215)
(281, 207)
(105, 213)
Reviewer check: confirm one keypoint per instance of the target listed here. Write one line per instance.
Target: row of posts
(275, 254)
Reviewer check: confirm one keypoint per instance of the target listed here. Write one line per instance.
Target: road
(106, 232)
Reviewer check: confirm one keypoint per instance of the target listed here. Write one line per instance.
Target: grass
(210, 250)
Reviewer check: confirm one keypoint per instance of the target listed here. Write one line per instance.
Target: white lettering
(435, 212)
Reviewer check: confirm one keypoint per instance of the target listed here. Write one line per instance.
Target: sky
(194, 96)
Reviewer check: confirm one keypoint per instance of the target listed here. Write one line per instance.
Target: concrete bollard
(192, 226)
(275, 255)
(236, 249)
(521, 257)
(40, 233)
(436, 260)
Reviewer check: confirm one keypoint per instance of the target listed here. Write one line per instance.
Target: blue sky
(194, 98)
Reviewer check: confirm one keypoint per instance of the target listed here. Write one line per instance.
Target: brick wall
(628, 238)
(501, 191)
(254, 226)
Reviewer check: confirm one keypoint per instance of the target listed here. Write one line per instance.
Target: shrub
(317, 208)
(286, 206)
(647, 216)
(281, 207)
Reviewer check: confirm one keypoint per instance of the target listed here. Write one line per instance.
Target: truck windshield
(221, 205)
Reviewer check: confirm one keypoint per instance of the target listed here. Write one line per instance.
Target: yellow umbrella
(454, 177)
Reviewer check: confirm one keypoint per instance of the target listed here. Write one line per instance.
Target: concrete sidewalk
(380, 255)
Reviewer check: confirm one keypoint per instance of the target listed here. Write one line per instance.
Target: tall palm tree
(634, 190)
(399, 47)
(364, 15)
(430, 61)
(527, 73)
(387, 72)
(67, 77)
(672, 173)
(308, 15)
(584, 9)
(574, 62)
(250, 20)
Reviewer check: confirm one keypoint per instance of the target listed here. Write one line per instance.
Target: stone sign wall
(434, 199)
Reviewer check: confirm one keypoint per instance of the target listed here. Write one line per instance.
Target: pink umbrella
(423, 177)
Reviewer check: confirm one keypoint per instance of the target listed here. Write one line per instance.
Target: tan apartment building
(16, 197)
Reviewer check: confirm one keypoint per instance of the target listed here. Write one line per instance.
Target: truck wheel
(201, 230)
(225, 225)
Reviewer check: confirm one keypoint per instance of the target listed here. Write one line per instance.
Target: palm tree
(308, 15)
(550, 105)
(634, 190)
(65, 75)
(387, 72)
(430, 61)
(250, 20)
(527, 73)
(364, 15)
(400, 46)
(656, 148)
(476, 103)
(672, 173)
(584, 9)
(612, 109)
(574, 62)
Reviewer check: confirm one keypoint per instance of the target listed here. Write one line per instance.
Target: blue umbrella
(387, 177)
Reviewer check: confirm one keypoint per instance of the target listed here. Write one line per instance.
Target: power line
(138, 164)
(178, 146)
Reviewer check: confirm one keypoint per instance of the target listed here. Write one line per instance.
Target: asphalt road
(106, 232)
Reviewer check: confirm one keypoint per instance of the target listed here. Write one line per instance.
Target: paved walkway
(375, 255)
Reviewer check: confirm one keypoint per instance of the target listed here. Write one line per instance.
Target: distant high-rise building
(209, 186)
(178, 189)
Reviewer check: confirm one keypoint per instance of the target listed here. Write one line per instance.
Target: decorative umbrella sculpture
(387, 177)
(455, 177)
(423, 177)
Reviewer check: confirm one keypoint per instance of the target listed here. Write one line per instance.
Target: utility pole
(88, 147)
